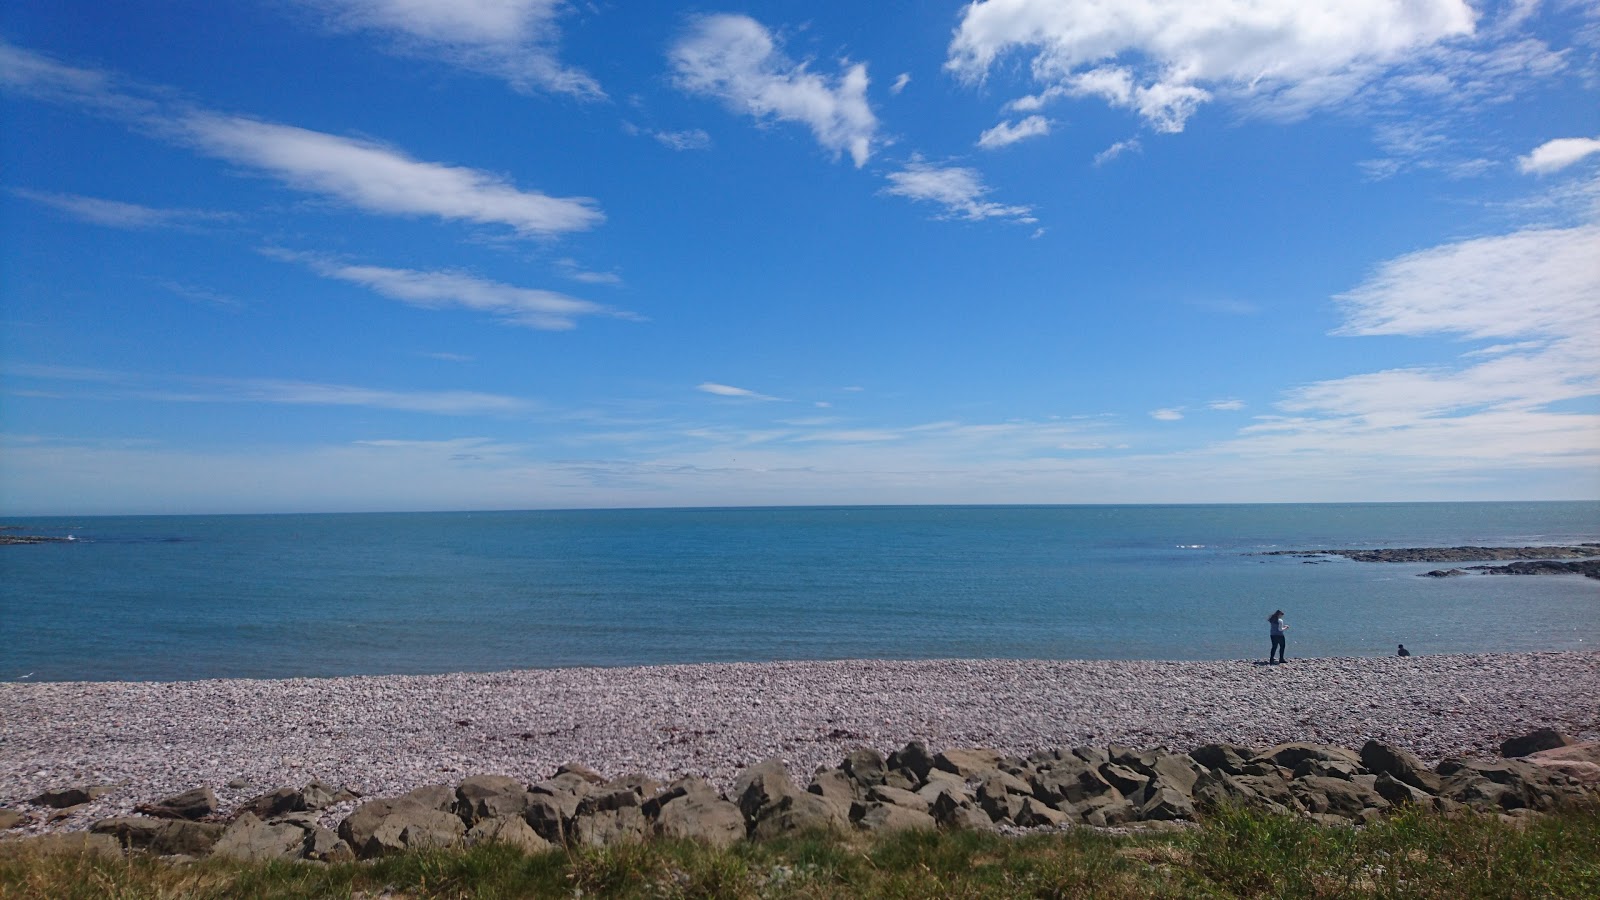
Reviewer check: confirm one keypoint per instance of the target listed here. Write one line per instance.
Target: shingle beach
(384, 735)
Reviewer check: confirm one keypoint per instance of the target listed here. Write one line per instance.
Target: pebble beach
(384, 735)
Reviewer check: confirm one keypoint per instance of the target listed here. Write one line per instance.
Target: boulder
(1380, 758)
(323, 845)
(883, 793)
(866, 767)
(701, 816)
(249, 839)
(1398, 793)
(506, 831)
(413, 826)
(581, 772)
(131, 832)
(1175, 770)
(912, 758)
(836, 786)
(607, 827)
(1127, 781)
(64, 843)
(275, 803)
(1336, 796)
(763, 786)
(682, 787)
(1533, 742)
(10, 818)
(956, 811)
(63, 798)
(1327, 769)
(1293, 754)
(441, 797)
(1580, 762)
(966, 761)
(799, 812)
(1036, 814)
(1166, 804)
(358, 826)
(1267, 793)
(1230, 758)
(892, 817)
(491, 797)
(549, 815)
(195, 804)
(1509, 784)
(1104, 810)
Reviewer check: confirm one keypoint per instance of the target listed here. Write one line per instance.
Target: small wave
(1191, 546)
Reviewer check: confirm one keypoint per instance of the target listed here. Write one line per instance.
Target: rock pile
(912, 788)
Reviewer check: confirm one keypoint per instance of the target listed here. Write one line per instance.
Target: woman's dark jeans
(1277, 648)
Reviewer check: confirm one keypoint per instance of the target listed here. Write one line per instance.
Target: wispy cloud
(1115, 150)
(1007, 133)
(958, 189)
(737, 60)
(1553, 156)
(197, 294)
(691, 139)
(900, 82)
(725, 390)
(1168, 414)
(569, 268)
(528, 307)
(515, 40)
(116, 213)
(1226, 405)
(365, 174)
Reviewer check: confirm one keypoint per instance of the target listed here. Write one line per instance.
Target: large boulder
(883, 793)
(1166, 803)
(1230, 758)
(249, 839)
(1336, 796)
(914, 759)
(195, 804)
(836, 786)
(1380, 758)
(1580, 762)
(966, 761)
(701, 816)
(491, 797)
(866, 767)
(1533, 742)
(506, 831)
(285, 800)
(413, 826)
(799, 812)
(551, 814)
(606, 827)
(763, 786)
(892, 817)
(1293, 754)
(1037, 814)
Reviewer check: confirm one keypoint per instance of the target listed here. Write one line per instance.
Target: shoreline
(385, 735)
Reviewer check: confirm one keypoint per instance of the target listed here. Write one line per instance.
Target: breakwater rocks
(1451, 554)
(911, 788)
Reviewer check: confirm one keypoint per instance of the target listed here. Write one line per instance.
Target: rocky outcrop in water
(1589, 568)
(1452, 554)
(959, 788)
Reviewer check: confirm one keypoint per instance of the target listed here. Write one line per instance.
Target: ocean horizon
(326, 594)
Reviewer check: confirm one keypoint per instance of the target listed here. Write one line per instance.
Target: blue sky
(304, 255)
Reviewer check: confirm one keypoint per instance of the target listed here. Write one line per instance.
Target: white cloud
(527, 307)
(37, 75)
(1553, 156)
(511, 39)
(959, 190)
(736, 59)
(115, 213)
(1225, 405)
(382, 179)
(1007, 133)
(725, 390)
(1115, 150)
(900, 82)
(1164, 58)
(692, 139)
(1166, 415)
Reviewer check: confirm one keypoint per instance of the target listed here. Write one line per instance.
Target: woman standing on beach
(1275, 624)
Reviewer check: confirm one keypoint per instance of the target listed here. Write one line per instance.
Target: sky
(347, 255)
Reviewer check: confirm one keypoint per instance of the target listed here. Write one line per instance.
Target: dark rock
(1380, 758)
(1589, 568)
(131, 832)
(682, 787)
(1335, 796)
(913, 758)
(441, 797)
(1036, 814)
(835, 785)
(883, 793)
(866, 767)
(491, 797)
(64, 798)
(581, 771)
(761, 786)
(274, 803)
(1167, 804)
(10, 818)
(413, 826)
(323, 845)
(1533, 742)
(1125, 780)
(1443, 573)
(1293, 754)
(1326, 769)
(1398, 793)
(195, 804)
(549, 815)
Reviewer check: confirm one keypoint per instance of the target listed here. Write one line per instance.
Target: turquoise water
(185, 597)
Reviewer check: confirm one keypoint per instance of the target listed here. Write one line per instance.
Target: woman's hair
(1275, 615)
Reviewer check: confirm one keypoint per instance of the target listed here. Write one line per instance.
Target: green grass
(1233, 854)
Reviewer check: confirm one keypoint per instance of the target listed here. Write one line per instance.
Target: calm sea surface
(185, 597)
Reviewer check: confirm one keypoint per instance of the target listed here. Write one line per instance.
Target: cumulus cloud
(116, 213)
(1553, 156)
(511, 39)
(381, 179)
(737, 60)
(1164, 58)
(1008, 133)
(959, 190)
(528, 307)
(728, 390)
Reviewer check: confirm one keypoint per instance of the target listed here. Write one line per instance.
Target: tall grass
(1233, 854)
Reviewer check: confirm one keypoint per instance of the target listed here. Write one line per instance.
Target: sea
(280, 596)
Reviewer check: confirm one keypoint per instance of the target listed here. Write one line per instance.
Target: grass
(1232, 854)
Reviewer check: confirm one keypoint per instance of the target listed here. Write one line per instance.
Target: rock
(866, 767)
(1036, 814)
(582, 772)
(10, 818)
(1443, 573)
(441, 797)
(1104, 811)
(358, 826)
(1175, 770)
(682, 787)
(507, 831)
(957, 812)
(65, 843)
(609, 799)
(1384, 759)
(317, 795)
(1268, 793)
(701, 816)
(1398, 793)
(1326, 769)
(902, 779)
(323, 845)
(1166, 804)
(1533, 742)
(966, 761)
(892, 817)
(909, 799)
(413, 826)
(912, 758)
(1125, 780)
(275, 803)
(251, 840)
(195, 804)
(1509, 784)
(549, 814)
(762, 786)
(799, 812)
(836, 786)
(63, 798)
(1293, 754)
(131, 832)
(1580, 762)
(1336, 796)
(1070, 785)
(491, 797)
(607, 827)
